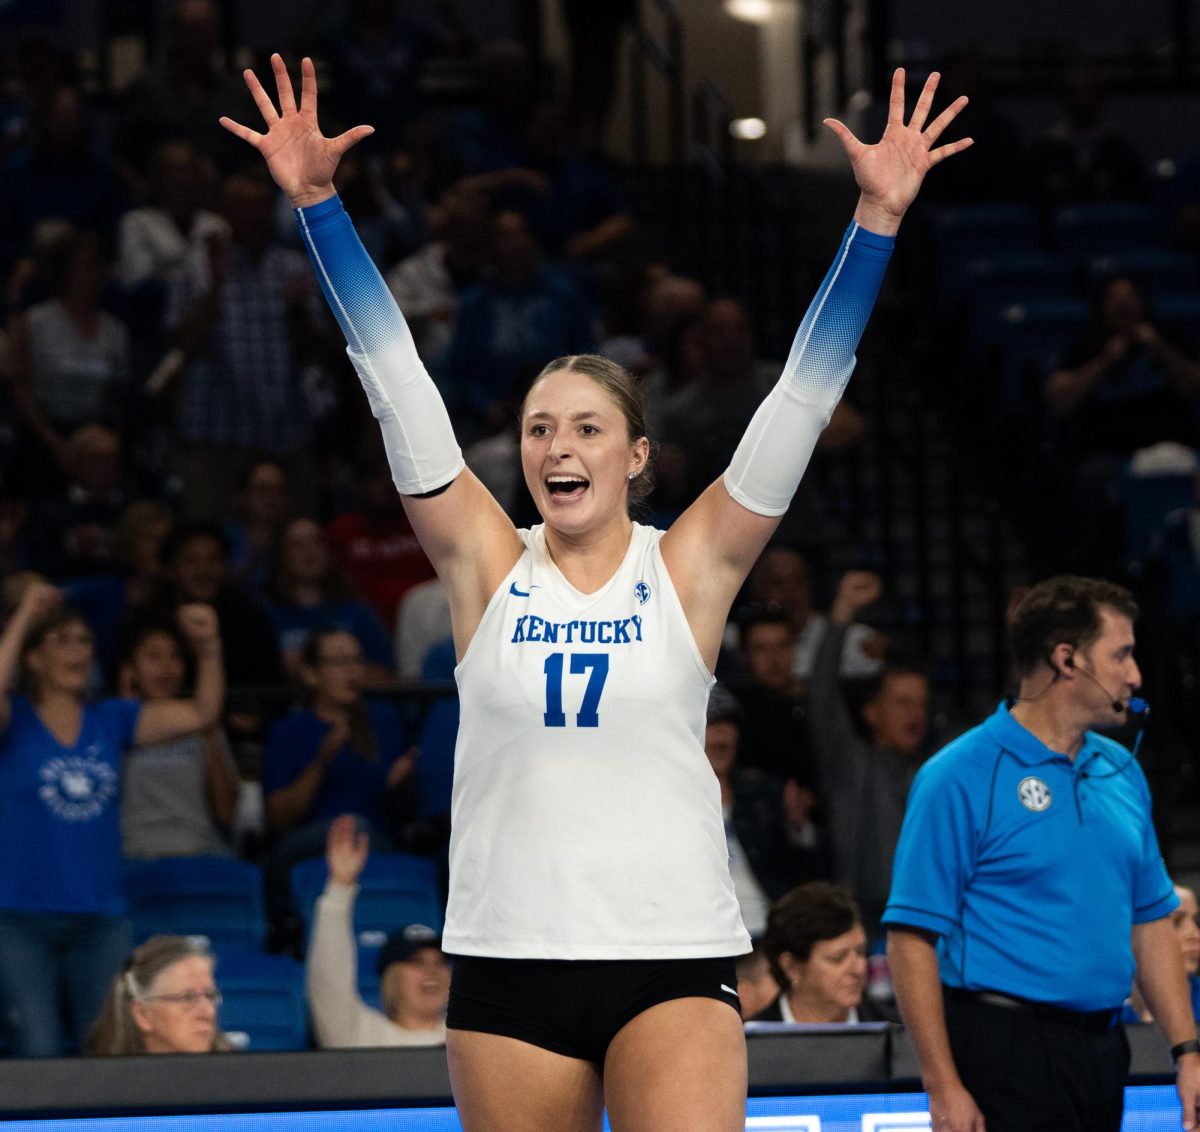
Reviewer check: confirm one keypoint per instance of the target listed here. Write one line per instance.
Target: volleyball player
(591, 912)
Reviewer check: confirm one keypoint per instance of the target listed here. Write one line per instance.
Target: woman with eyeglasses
(164, 1001)
(63, 930)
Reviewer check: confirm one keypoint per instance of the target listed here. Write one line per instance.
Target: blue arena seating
(1156, 271)
(1149, 501)
(1084, 231)
(264, 1005)
(215, 897)
(970, 232)
(1028, 337)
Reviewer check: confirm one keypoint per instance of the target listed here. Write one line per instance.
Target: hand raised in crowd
(199, 624)
(891, 171)
(38, 599)
(857, 590)
(346, 850)
(301, 159)
(401, 770)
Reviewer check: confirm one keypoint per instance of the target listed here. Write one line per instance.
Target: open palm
(300, 158)
(890, 172)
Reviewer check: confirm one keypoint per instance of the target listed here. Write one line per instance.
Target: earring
(632, 476)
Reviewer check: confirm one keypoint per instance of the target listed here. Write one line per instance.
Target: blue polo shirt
(1032, 869)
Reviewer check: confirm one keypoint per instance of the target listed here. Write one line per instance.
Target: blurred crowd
(180, 430)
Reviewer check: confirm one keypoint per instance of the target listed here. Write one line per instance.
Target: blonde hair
(115, 1031)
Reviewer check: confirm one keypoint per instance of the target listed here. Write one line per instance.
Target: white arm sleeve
(421, 449)
(774, 452)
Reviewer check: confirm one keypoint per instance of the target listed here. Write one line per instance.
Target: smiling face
(417, 989)
(577, 454)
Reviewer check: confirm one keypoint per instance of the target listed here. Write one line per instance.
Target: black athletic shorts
(576, 1006)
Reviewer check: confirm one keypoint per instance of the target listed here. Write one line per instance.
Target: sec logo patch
(1034, 794)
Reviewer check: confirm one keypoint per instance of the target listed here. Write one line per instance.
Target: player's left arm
(1163, 983)
(709, 550)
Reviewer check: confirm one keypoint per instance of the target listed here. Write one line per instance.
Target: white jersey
(586, 818)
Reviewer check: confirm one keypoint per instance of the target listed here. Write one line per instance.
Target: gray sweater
(864, 786)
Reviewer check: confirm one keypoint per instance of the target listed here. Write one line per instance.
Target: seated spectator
(307, 591)
(374, 542)
(70, 357)
(817, 948)
(762, 861)
(164, 1001)
(337, 754)
(429, 284)
(178, 797)
(389, 231)
(263, 507)
(1186, 922)
(865, 780)
(781, 579)
(1127, 385)
(521, 316)
(63, 934)
(73, 533)
(414, 974)
(756, 985)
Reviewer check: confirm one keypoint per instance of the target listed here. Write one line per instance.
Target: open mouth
(566, 487)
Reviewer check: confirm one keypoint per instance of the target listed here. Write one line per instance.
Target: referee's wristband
(1180, 1048)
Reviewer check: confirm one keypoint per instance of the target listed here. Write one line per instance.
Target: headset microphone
(1136, 704)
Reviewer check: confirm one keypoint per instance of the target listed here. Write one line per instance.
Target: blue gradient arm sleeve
(421, 448)
(773, 454)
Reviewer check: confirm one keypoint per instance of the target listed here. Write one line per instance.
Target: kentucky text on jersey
(531, 628)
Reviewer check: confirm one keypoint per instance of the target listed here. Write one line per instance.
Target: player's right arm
(470, 541)
(913, 962)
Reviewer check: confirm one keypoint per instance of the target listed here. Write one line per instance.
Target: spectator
(782, 579)
(430, 283)
(374, 543)
(164, 1001)
(263, 507)
(74, 533)
(178, 797)
(389, 230)
(337, 754)
(775, 731)
(1186, 922)
(414, 974)
(817, 948)
(62, 928)
(762, 862)
(63, 172)
(422, 621)
(307, 591)
(243, 315)
(195, 559)
(756, 985)
(134, 581)
(865, 780)
(522, 315)
(155, 241)
(70, 357)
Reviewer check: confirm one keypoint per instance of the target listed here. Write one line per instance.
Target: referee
(1028, 890)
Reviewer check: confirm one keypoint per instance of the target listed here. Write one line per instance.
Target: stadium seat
(1155, 270)
(215, 897)
(1149, 500)
(970, 232)
(263, 1007)
(1028, 338)
(1084, 231)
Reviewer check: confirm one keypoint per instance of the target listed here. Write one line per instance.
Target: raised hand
(857, 590)
(346, 850)
(198, 620)
(890, 172)
(300, 158)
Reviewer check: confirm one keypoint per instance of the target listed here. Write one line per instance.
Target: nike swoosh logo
(520, 593)
(729, 990)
